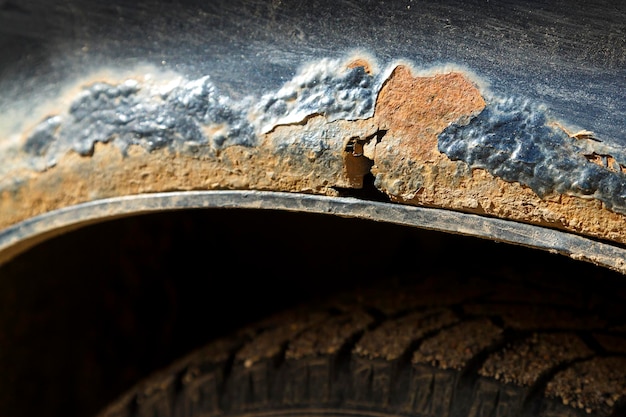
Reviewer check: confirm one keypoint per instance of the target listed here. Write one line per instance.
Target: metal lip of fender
(26, 234)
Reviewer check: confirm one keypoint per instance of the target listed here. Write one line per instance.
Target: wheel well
(91, 312)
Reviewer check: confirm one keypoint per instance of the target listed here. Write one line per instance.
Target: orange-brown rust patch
(411, 110)
(606, 161)
(360, 62)
(410, 169)
(416, 109)
(356, 168)
(279, 163)
(107, 173)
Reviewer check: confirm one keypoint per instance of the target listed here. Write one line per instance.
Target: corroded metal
(513, 140)
(434, 139)
(460, 132)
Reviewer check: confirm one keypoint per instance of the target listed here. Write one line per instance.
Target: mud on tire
(435, 348)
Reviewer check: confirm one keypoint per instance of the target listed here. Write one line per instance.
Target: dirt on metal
(398, 145)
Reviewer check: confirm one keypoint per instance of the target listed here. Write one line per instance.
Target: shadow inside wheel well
(87, 314)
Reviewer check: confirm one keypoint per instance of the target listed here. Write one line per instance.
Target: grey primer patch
(181, 118)
(43, 136)
(131, 115)
(327, 88)
(513, 140)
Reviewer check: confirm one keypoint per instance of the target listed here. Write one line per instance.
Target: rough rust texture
(78, 179)
(279, 163)
(414, 110)
(410, 169)
(398, 145)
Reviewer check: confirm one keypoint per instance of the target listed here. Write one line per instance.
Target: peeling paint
(432, 137)
(133, 114)
(513, 140)
(332, 88)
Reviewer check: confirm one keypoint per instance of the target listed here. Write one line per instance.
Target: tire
(462, 117)
(471, 349)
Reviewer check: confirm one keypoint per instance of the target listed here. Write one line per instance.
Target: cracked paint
(428, 138)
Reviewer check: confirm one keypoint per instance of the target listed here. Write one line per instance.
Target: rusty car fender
(503, 121)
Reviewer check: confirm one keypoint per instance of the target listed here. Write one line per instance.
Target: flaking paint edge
(309, 128)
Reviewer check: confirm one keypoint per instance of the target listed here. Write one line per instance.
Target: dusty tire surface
(463, 347)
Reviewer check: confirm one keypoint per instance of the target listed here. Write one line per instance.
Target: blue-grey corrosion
(513, 140)
(326, 88)
(131, 114)
(127, 115)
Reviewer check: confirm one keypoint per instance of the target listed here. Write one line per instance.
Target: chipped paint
(133, 114)
(332, 88)
(432, 137)
(513, 140)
